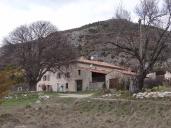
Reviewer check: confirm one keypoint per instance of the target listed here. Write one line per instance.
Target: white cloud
(64, 14)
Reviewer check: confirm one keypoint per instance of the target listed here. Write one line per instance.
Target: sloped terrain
(91, 38)
(87, 113)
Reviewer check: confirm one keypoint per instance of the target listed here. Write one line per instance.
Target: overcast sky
(65, 14)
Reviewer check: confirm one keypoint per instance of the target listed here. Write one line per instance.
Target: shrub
(28, 106)
(9, 76)
(158, 88)
(92, 30)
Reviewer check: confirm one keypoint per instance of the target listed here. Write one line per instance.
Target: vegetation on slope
(9, 76)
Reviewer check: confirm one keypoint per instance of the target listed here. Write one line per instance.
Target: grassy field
(22, 99)
(57, 112)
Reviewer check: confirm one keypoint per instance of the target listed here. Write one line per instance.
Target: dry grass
(86, 113)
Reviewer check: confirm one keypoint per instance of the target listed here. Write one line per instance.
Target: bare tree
(41, 29)
(122, 13)
(149, 42)
(25, 33)
(36, 52)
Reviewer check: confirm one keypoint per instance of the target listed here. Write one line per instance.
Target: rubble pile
(142, 95)
(110, 95)
(44, 97)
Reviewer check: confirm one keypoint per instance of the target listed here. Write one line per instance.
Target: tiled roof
(95, 70)
(81, 60)
(104, 64)
(126, 72)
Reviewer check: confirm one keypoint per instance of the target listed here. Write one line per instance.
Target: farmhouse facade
(83, 75)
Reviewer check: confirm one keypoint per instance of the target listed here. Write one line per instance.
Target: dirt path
(75, 95)
(104, 99)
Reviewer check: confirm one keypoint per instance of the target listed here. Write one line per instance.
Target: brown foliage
(9, 76)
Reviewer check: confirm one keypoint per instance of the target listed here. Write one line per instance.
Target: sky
(64, 14)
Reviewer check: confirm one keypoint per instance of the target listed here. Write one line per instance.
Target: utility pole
(140, 41)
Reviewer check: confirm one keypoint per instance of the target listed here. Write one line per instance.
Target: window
(44, 78)
(66, 85)
(79, 72)
(59, 75)
(67, 75)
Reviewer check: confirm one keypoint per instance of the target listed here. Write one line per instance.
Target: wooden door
(113, 83)
(79, 84)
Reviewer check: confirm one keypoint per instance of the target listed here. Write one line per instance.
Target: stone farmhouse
(83, 74)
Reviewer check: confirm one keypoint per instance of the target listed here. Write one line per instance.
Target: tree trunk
(32, 86)
(140, 81)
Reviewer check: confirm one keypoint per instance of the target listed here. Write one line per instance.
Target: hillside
(97, 33)
(90, 40)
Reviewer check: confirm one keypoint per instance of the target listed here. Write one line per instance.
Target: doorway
(113, 83)
(98, 77)
(79, 84)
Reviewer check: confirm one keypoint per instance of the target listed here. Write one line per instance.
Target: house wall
(151, 75)
(86, 77)
(53, 81)
(167, 75)
(88, 84)
(57, 83)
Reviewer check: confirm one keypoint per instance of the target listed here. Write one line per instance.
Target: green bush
(159, 88)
